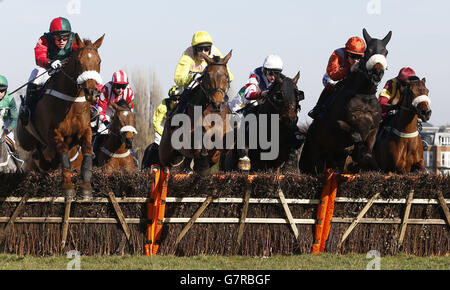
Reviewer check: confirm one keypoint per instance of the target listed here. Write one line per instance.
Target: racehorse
(7, 159)
(343, 139)
(115, 151)
(62, 115)
(399, 147)
(209, 98)
(282, 103)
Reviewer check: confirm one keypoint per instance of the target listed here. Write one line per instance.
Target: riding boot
(27, 104)
(317, 111)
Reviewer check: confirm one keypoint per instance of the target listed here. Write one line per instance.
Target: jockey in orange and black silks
(341, 62)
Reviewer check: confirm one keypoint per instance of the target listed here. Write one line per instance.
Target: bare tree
(147, 96)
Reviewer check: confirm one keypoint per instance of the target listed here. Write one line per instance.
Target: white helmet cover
(273, 62)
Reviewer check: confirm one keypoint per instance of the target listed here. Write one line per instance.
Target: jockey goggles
(3, 89)
(120, 86)
(203, 48)
(354, 56)
(273, 72)
(62, 36)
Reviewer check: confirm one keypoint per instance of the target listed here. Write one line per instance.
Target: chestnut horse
(62, 117)
(209, 98)
(399, 147)
(115, 153)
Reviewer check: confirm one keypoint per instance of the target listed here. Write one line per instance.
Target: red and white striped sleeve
(130, 98)
(103, 103)
(252, 90)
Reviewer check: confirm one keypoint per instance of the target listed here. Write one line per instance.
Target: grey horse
(8, 163)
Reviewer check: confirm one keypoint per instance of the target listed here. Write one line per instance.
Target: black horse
(282, 103)
(350, 127)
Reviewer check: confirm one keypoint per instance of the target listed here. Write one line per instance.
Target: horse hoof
(86, 194)
(244, 164)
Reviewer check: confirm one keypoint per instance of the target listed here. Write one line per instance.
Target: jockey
(259, 82)
(392, 93)
(163, 109)
(191, 64)
(159, 117)
(342, 61)
(117, 89)
(8, 105)
(50, 51)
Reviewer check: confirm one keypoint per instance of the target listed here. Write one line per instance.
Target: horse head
(123, 123)
(284, 97)
(418, 99)
(374, 61)
(215, 80)
(87, 67)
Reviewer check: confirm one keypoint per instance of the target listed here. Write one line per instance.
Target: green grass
(302, 262)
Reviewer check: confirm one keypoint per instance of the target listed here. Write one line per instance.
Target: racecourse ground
(298, 262)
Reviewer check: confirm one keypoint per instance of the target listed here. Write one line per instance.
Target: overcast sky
(153, 35)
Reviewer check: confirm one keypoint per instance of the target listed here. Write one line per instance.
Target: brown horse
(115, 153)
(208, 97)
(62, 115)
(399, 147)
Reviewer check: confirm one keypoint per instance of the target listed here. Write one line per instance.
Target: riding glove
(56, 64)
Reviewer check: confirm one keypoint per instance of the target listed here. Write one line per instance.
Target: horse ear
(424, 80)
(206, 57)
(99, 42)
(344, 125)
(366, 35)
(78, 41)
(227, 57)
(387, 38)
(296, 78)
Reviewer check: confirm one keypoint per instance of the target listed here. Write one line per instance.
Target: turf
(300, 262)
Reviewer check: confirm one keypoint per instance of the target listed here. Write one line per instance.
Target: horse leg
(201, 163)
(63, 151)
(86, 165)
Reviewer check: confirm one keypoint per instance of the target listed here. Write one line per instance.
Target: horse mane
(122, 103)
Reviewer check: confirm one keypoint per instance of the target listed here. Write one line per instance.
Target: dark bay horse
(399, 147)
(350, 127)
(115, 153)
(62, 116)
(282, 103)
(206, 102)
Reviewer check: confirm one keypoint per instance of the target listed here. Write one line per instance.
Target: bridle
(81, 79)
(414, 101)
(209, 91)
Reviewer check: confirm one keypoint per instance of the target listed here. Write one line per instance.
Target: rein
(78, 82)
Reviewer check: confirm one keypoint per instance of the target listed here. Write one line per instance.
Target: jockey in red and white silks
(118, 88)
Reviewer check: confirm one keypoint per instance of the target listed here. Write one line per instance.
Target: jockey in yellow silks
(191, 65)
